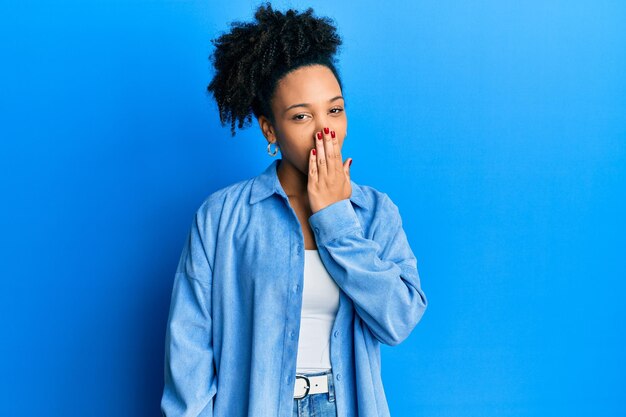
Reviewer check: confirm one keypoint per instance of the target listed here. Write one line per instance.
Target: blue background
(497, 127)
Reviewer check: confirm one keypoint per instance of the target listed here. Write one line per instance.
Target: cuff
(333, 221)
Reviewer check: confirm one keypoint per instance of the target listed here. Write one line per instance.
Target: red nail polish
(326, 130)
(332, 134)
(319, 135)
(314, 152)
(350, 163)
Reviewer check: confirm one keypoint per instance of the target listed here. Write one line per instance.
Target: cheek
(297, 143)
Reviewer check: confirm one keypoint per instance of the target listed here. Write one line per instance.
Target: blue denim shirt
(234, 319)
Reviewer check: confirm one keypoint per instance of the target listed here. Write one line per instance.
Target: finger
(331, 165)
(346, 168)
(337, 151)
(312, 166)
(320, 155)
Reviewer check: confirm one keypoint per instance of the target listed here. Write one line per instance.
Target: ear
(266, 128)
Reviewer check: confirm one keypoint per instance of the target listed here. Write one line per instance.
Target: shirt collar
(267, 183)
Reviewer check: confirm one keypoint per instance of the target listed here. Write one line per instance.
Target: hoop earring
(275, 149)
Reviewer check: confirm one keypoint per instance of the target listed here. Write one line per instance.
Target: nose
(323, 123)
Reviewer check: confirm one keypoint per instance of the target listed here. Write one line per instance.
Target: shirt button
(317, 230)
(291, 334)
(336, 333)
(299, 248)
(338, 377)
(296, 288)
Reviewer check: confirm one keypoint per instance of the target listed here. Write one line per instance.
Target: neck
(293, 181)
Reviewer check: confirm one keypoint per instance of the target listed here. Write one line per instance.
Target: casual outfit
(314, 392)
(320, 301)
(257, 321)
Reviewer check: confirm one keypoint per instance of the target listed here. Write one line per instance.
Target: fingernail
(332, 134)
(319, 135)
(314, 151)
(350, 163)
(326, 130)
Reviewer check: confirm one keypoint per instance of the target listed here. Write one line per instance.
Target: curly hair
(252, 57)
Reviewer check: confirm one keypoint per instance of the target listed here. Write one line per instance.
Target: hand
(329, 176)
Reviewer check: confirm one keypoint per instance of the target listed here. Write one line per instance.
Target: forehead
(306, 85)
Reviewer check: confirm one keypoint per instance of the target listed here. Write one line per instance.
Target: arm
(190, 380)
(380, 278)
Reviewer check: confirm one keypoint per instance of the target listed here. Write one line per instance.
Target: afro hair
(252, 57)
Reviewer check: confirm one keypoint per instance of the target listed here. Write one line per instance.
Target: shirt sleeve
(190, 377)
(379, 275)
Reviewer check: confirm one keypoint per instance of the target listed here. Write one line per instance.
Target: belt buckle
(307, 386)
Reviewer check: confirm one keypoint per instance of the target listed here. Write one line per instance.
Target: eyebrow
(308, 104)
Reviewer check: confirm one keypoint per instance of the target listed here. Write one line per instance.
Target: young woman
(289, 281)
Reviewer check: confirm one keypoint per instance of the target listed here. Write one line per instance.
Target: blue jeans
(318, 405)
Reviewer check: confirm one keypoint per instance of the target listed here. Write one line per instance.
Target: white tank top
(320, 302)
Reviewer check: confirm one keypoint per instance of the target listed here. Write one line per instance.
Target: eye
(302, 116)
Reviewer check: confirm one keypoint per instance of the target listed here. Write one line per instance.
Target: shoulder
(378, 204)
(226, 193)
(224, 200)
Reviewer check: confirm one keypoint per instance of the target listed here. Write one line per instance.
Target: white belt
(306, 385)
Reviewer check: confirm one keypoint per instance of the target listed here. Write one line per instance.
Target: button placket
(296, 261)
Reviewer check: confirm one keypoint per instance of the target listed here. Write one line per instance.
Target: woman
(288, 281)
